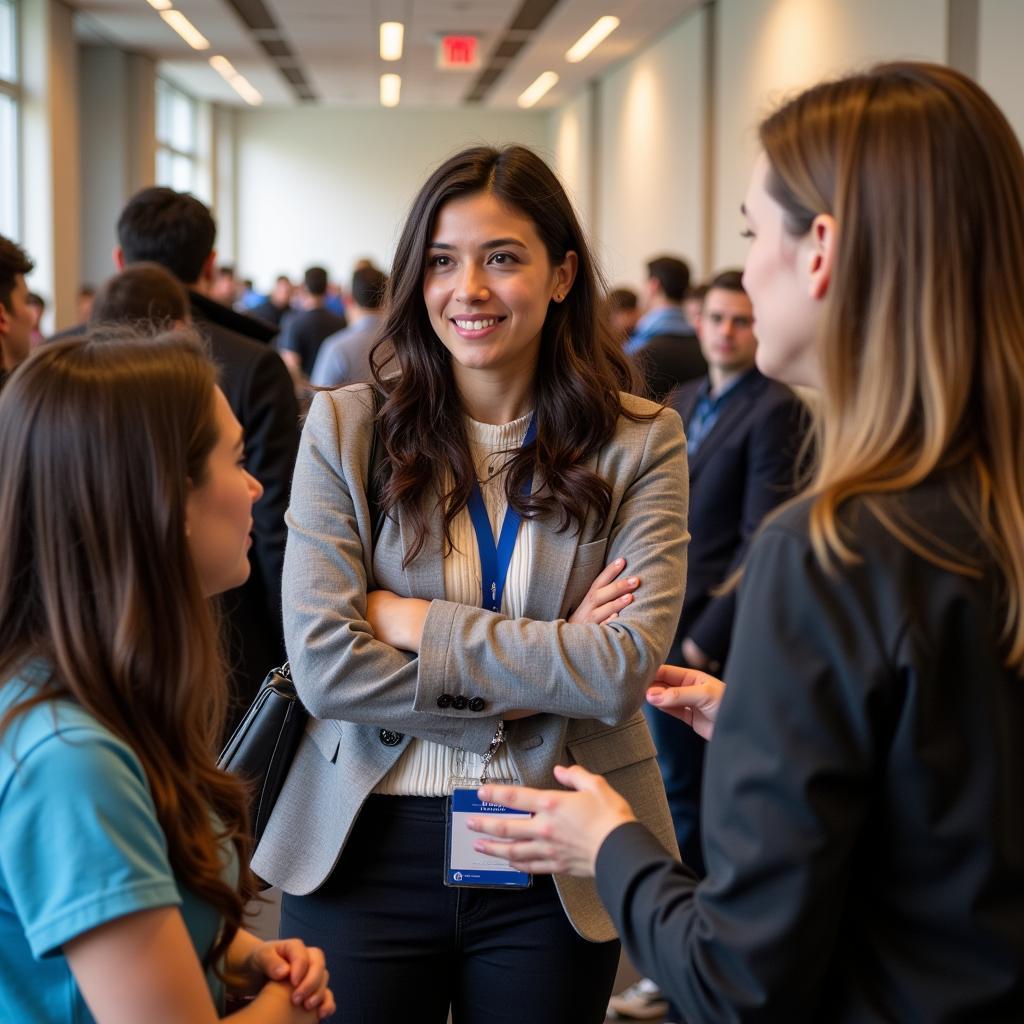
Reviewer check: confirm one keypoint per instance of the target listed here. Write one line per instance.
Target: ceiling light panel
(392, 35)
(186, 30)
(540, 87)
(237, 81)
(390, 90)
(592, 38)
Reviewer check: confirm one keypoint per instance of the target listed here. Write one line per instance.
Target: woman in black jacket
(864, 792)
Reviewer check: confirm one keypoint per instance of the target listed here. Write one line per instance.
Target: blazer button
(460, 703)
(477, 704)
(445, 700)
(390, 738)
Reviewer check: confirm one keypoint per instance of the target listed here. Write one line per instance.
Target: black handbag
(263, 745)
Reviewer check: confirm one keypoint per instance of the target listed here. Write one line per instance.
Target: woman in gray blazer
(429, 652)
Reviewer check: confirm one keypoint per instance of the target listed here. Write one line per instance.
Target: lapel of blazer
(553, 555)
(425, 573)
(685, 403)
(735, 409)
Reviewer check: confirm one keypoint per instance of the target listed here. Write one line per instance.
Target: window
(177, 138)
(10, 135)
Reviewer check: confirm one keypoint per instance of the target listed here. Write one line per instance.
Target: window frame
(12, 89)
(166, 147)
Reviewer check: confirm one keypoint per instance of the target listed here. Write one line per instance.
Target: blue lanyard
(495, 559)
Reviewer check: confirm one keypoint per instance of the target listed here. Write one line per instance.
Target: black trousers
(403, 949)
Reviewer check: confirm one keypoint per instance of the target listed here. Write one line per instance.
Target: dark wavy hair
(98, 442)
(580, 373)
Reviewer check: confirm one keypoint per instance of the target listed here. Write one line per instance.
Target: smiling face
(218, 512)
(786, 277)
(487, 287)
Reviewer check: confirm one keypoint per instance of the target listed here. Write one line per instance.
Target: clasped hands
(298, 968)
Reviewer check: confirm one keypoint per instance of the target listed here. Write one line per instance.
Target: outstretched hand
(566, 830)
(689, 695)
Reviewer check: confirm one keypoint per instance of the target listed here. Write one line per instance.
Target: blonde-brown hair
(98, 442)
(922, 341)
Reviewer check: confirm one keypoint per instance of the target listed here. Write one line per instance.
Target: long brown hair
(922, 341)
(580, 374)
(98, 443)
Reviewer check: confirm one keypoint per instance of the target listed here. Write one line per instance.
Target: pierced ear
(823, 242)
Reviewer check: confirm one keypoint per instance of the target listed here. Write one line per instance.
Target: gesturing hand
(691, 696)
(566, 829)
(607, 596)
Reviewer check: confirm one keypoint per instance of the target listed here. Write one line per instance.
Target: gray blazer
(586, 681)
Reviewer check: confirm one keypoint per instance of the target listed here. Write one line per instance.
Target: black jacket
(864, 796)
(259, 390)
(224, 316)
(743, 469)
(669, 360)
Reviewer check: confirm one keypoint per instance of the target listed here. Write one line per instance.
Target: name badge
(466, 867)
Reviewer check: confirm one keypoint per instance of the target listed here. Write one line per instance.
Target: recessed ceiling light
(592, 38)
(392, 34)
(534, 92)
(186, 30)
(390, 90)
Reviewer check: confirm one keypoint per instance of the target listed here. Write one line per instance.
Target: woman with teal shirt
(125, 507)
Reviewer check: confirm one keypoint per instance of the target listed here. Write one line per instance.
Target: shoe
(642, 1001)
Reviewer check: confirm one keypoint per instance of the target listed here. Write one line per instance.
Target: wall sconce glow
(186, 30)
(592, 38)
(390, 90)
(160, 5)
(534, 92)
(238, 82)
(392, 33)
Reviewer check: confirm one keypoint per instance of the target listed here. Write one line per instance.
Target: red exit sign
(458, 53)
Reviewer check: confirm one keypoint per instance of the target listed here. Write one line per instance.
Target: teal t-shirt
(80, 845)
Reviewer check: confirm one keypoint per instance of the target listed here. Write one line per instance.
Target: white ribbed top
(425, 768)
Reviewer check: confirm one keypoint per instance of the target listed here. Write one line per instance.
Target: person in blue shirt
(123, 857)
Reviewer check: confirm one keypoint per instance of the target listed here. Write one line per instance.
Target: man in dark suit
(743, 438)
(177, 231)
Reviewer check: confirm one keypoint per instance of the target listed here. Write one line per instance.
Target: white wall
(1000, 66)
(768, 49)
(571, 142)
(654, 118)
(332, 186)
(650, 181)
